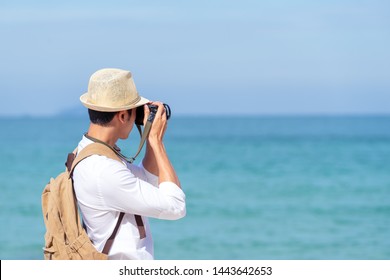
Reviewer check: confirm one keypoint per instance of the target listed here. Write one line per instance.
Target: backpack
(65, 238)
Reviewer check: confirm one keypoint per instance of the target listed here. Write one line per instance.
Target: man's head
(111, 100)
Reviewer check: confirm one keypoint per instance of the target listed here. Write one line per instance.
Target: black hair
(102, 118)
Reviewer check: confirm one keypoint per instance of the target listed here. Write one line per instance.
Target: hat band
(138, 98)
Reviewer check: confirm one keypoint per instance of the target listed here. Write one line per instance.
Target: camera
(140, 114)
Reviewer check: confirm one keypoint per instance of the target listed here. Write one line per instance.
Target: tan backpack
(65, 238)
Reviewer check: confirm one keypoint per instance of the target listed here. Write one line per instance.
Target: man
(105, 187)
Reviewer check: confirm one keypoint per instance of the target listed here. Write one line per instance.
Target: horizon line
(209, 115)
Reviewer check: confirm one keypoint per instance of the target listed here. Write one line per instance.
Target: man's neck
(103, 133)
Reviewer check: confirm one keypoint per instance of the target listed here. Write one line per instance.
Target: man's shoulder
(101, 160)
(97, 160)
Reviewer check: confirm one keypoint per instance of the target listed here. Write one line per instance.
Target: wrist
(154, 143)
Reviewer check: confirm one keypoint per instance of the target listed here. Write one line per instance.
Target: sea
(257, 187)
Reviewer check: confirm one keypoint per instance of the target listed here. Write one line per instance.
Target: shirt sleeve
(141, 172)
(122, 190)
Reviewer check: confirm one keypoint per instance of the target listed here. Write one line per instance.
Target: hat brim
(84, 101)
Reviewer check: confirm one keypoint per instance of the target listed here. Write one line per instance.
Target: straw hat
(112, 90)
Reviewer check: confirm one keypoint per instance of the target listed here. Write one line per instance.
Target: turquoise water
(257, 187)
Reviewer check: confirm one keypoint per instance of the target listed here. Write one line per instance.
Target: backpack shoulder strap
(110, 240)
(93, 149)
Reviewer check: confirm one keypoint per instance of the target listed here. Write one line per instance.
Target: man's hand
(159, 124)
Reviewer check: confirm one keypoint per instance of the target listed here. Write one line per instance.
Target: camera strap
(144, 136)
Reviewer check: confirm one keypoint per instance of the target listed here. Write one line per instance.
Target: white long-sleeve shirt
(105, 187)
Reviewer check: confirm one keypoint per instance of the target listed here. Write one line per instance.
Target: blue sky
(201, 57)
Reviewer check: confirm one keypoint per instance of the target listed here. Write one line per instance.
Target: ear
(122, 116)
